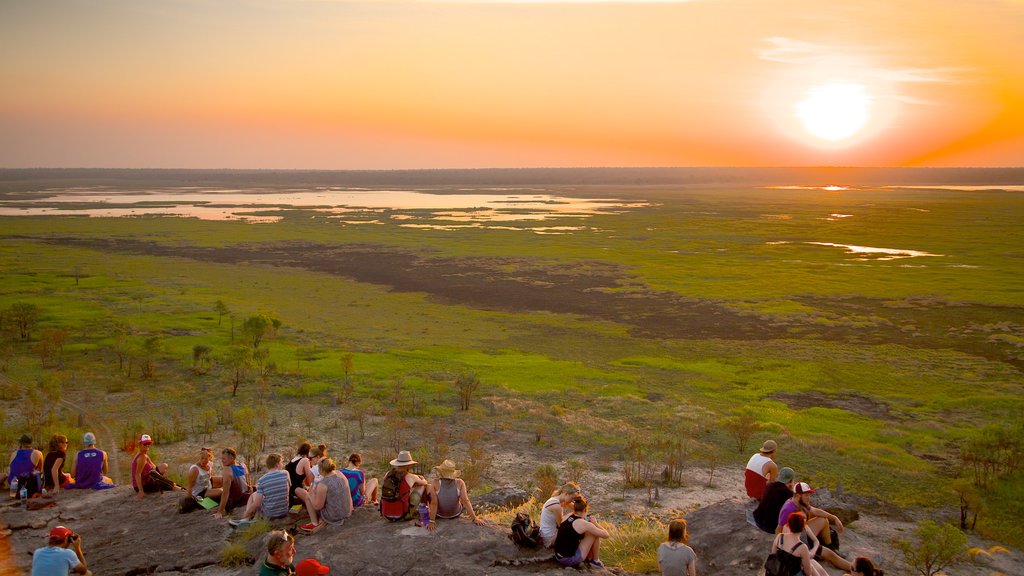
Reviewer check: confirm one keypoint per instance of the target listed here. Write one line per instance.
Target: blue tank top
(89, 468)
(355, 478)
(22, 463)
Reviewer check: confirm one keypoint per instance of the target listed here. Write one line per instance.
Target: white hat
(404, 459)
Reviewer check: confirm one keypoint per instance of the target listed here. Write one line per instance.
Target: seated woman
(452, 494)
(675, 558)
(579, 539)
(863, 566)
(331, 498)
(270, 498)
(360, 487)
(791, 545)
(299, 472)
(316, 454)
(235, 488)
(551, 512)
(54, 477)
(90, 466)
(201, 482)
(148, 477)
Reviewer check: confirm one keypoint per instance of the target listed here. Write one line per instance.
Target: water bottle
(14, 488)
(424, 515)
(23, 494)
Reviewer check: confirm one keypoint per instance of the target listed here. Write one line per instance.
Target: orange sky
(422, 84)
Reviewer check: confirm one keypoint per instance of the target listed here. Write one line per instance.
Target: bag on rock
(525, 532)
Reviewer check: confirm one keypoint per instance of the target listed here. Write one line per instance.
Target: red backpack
(394, 496)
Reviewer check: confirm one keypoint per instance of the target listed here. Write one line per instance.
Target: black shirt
(767, 512)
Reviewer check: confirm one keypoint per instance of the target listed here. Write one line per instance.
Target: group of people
(802, 532)
(36, 473)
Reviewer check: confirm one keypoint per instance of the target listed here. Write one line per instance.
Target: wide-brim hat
(447, 470)
(404, 459)
(769, 446)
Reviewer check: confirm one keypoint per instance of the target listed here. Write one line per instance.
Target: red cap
(803, 488)
(145, 439)
(310, 567)
(60, 533)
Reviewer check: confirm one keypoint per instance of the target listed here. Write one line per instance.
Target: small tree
(25, 316)
(971, 502)
(201, 358)
(151, 347)
(221, 309)
(255, 328)
(239, 361)
(576, 469)
(466, 383)
(346, 361)
(934, 548)
(547, 480)
(741, 428)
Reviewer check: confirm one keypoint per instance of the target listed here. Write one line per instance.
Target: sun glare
(835, 112)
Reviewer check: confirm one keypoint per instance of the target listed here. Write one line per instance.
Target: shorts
(572, 561)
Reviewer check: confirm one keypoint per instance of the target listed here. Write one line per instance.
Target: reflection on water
(830, 188)
(1008, 188)
(874, 253)
(247, 205)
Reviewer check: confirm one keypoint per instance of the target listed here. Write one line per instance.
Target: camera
(72, 537)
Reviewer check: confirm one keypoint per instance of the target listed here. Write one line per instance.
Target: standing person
(299, 472)
(331, 498)
(363, 490)
(789, 542)
(761, 469)
(148, 477)
(675, 558)
(817, 525)
(280, 555)
(766, 515)
(863, 566)
(54, 477)
(452, 493)
(234, 483)
(551, 512)
(579, 539)
(270, 498)
(24, 461)
(61, 556)
(90, 466)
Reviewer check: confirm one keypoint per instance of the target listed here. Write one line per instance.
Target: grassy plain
(656, 322)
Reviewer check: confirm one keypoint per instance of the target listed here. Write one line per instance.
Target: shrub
(633, 546)
(935, 547)
(547, 479)
(234, 554)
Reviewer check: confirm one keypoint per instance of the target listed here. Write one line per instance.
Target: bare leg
(252, 505)
(835, 559)
(595, 550)
(818, 570)
(307, 499)
(819, 527)
(162, 469)
(586, 544)
(213, 493)
(371, 491)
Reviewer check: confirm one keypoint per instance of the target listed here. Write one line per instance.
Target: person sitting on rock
(452, 493)
(331, 498)
(90, 467)
(299, 472)
(54, 477)
(24, 462)
(817, 525)
(790, 542)
(766, 515)
(270, 498)
(761, 469)
(316, 454)
(402, 491)
(551, 512)
(234, 483)
(863, 566)
(579, 539)
(61, 556)
(148, 477)
(363, 490)
(675, 558)
(201, 482)
(280, 555)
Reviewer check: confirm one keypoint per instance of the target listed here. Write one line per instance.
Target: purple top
(788, 508)
(88, 468)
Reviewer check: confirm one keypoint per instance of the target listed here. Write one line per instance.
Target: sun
(835, 112)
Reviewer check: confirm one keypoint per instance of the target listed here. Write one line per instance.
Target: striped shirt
(274, 487)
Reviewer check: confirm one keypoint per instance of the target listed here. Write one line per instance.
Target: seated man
(817, 525)
(280, 555)
(24, 462)
(270, 498)
(766, 515)
(452, 494)
(61, 556)
(234, 483)
(402, 491)
(90, 466)
(761, 469)
(579, 539)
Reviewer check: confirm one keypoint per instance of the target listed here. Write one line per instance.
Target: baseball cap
(88, 438)
(803, 488)
(60, 533)
(310, 567)
(786, 475)
(145, 439)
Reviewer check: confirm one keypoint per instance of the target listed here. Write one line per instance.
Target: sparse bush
(576, 469)
(547, 480)
(633, 546)
(934, 548)
(234, 554)
(466, 384)
(741, 428)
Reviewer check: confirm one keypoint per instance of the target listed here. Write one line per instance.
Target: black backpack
(525, 532)
(782, 563)
(32, 483)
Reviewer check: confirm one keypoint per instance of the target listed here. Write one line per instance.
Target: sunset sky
(467, 83)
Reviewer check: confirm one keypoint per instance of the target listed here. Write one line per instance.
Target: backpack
(394, 496)
(782, 563)
(32, 482)
(525, 532)
(835, 539)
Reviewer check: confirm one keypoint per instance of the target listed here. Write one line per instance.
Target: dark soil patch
(860, 405)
